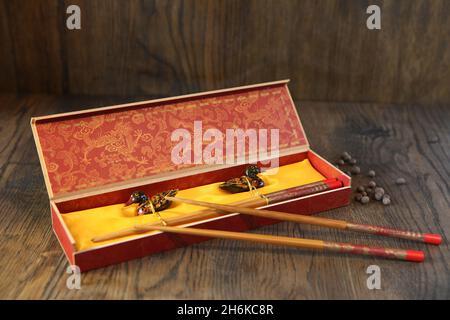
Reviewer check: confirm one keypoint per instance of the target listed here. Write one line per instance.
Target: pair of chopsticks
(407, 255)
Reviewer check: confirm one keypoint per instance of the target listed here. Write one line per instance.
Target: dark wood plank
(33, 45)
(410, 141)
(7, 54)
(166, 48)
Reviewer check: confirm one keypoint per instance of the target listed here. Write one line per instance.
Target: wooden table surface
(395, 140)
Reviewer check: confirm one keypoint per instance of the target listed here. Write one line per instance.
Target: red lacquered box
(97, 157)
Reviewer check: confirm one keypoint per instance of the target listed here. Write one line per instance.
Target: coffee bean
(386, 201)
(386, 196)
(378, 196)
(340, 162)
(372, 184)
(365, 200)
(379, 190)
(360, 189)
(369, 190)
(358, 197)
(364, 194)
(346, 156)
(355, 170)
(371, 173)
(352, 161)
(400, 181)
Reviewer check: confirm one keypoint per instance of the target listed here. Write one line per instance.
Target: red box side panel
(62, 236)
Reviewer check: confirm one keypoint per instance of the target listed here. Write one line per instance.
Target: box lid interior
(106, 148)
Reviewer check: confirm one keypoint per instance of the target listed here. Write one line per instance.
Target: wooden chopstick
(389, 253)
(324, 222)
(253, 202)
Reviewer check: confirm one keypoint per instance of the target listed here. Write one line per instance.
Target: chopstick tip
(415, 256)
(431, 238)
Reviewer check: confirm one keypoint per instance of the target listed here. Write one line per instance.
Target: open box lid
(106, 149)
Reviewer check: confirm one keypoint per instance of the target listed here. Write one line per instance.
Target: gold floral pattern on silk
(91, 151)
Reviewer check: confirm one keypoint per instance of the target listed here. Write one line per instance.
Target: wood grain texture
(395, 140)
(166, 48)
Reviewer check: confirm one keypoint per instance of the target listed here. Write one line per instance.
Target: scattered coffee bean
(378, 196)
(365, 200)
(379, 190)
(369, 190)
(352, 161)
(364, 194)
(346, 156)
(358, 197)
(355, 170)
(400, 181)
(340, 162)
(360, 189)
(386, 201)
(387, 196)
(372, 184)
(371, 173)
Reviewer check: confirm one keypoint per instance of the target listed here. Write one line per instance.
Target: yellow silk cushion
(86, 224)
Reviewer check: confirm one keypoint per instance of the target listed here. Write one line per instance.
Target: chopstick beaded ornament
(146, 205)
(152, 205)
(247, 182)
